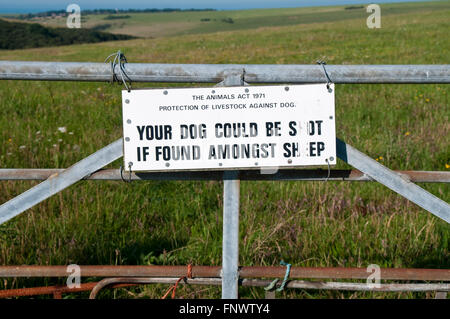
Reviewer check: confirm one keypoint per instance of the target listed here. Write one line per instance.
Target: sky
(33, 6)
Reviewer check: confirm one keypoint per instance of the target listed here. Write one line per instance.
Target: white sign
(228, 127)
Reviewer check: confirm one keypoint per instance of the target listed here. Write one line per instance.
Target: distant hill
(64, 13)
(16, 35)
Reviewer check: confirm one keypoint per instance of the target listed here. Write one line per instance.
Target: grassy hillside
(156, 25)
(16, 35)
(306, 224)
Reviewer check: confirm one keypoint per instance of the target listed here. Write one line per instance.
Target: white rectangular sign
(229, 127)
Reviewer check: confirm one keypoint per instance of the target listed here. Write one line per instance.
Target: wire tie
(275, 281)
(329, 170)
(286, 275)
(119, 58)
(323, 63)
(173, 289)
(121, 173)
(271, 285)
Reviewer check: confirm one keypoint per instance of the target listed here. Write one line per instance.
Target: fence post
(230, 241)
(230, 235)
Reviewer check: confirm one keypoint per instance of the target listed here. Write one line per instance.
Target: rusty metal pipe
(214, 272)
(108, 282)
(109, 271)
(295, 284)
(285, 174)
(95, 287)
(56, 291)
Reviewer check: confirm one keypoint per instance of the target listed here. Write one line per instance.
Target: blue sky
(25, 6)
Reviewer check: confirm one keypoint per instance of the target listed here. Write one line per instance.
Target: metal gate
(90, 168)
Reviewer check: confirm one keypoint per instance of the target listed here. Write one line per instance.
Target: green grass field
(175, 223)
(156, 25)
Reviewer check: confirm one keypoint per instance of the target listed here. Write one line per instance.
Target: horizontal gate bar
(126, 282)
(248, 175)
(215, 271)
(214, 73)
(130, 281)
(296, 284)
(58, 182)
(350, 286)
(395, 182)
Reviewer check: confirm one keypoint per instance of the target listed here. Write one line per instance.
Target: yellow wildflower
(407, 133)
(447, 166)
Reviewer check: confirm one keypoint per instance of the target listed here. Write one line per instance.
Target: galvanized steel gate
(90, 168)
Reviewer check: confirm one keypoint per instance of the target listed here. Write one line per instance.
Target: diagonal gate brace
(55, 184)
(392, 180)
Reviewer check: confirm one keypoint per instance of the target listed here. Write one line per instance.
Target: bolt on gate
(228, 75)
